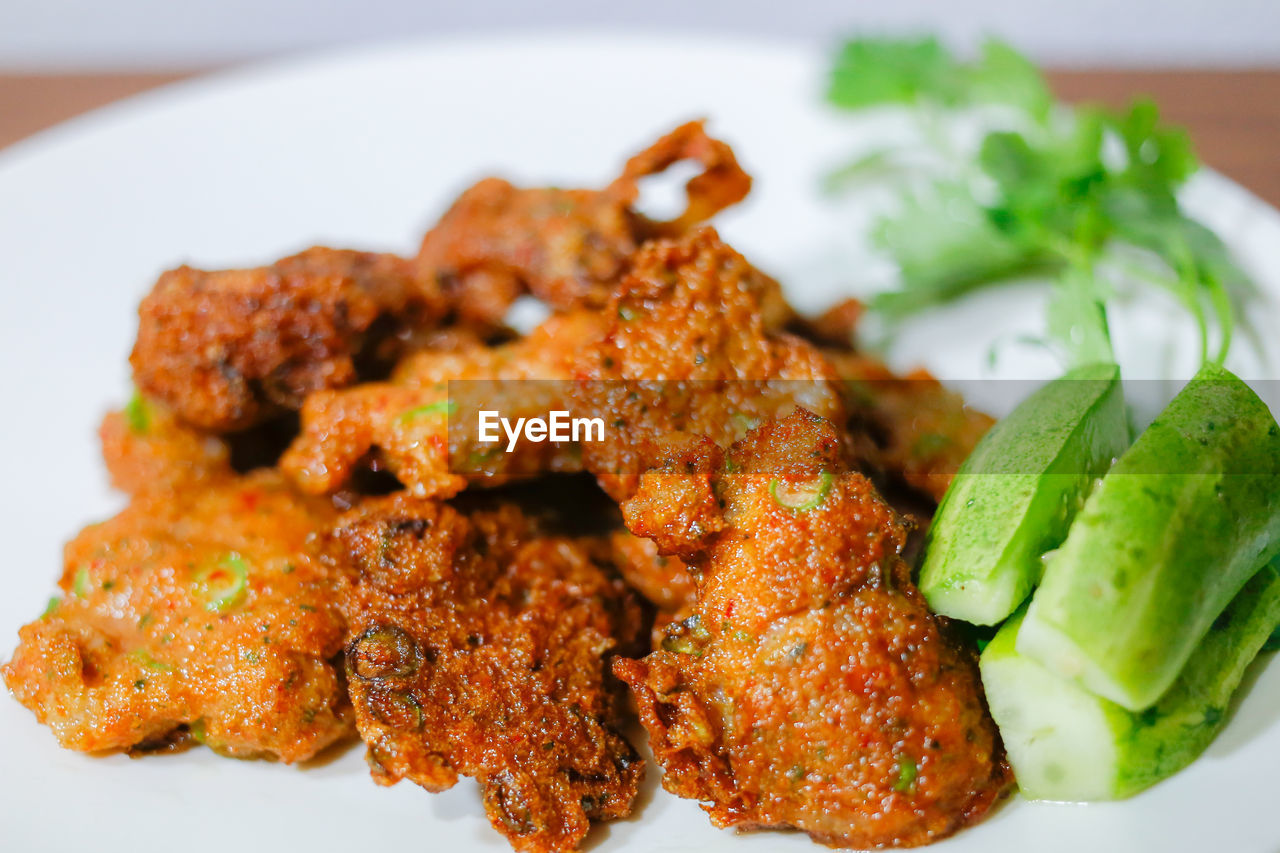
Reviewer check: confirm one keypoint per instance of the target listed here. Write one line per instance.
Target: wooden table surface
(1234, 116)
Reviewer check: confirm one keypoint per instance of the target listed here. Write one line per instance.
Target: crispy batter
(811, 687)
(148, 450)
(481, 647)
(228, 349)
(567, 247)
(663, 580)
(415, 428)
(918, 431)
(694, 345)
(909, 428)
(207, 609)
(692, 312)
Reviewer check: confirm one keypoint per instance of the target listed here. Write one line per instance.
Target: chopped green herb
(801, 497)
(50, 607)
(80, 585)
(144, 657)
(439, 407)
(907, 771)
(223, 585)
(137, 414)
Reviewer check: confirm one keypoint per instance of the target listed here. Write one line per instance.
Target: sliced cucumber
(1172, 533)
(1017, 493)
(1065, 743)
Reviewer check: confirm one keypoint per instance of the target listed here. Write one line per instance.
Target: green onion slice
(801, 497)
(224, 584)
(439, 407)
(144, 657)
(137, 414)
(907, 771)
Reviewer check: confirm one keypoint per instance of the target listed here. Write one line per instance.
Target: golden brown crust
(147, 449)
(566, 247)
(481, 647)
(227, 349)
(694, 345)
(810, 687)
(663, 580)
(209, 610)
(415, 428)
(913, 428)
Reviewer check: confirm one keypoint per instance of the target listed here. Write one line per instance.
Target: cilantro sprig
(1057, 191)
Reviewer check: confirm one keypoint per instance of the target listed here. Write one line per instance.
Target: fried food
(695, 344)
(481, 648)
(204, 612)
(412, 426)
(919, 431)
(147, 449)
(810, 687)
(228, 349)
(663, 580)
(567, 247)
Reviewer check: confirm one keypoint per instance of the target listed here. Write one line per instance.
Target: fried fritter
(567, 247)
(412, 427)
(148, 450)
(206, 610)
(663, 580)
(228, 349)
(908, 428)
(481, 648)
(919, 431)
(810, 687)
(694, 345)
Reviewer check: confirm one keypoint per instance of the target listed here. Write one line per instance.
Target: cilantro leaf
(1005, 76)
(945, 245)
(1052, 194)
(874, 71)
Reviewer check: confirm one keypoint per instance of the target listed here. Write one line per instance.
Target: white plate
(364, 149)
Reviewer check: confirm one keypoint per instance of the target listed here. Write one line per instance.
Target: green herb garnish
(137, 414)
(801, 497)
(223, 585)
(1053, 191)
(439, 407)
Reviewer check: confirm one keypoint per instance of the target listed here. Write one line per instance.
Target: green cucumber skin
(1162, 545)
(1015, 496)
(1041, 716)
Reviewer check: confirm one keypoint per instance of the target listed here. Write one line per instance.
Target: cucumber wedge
(1017, 493)
(1172, 533)
(1067, 744)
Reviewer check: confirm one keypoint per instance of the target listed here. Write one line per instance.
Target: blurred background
(1213, 64)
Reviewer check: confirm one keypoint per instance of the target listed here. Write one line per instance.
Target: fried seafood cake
(147, 449)
(919, 431)
(481, 648)
(663, 580)
(207, 612)
(228, 349)
(567, 247)
(694, 345)
(810, 687)
(411, 426)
